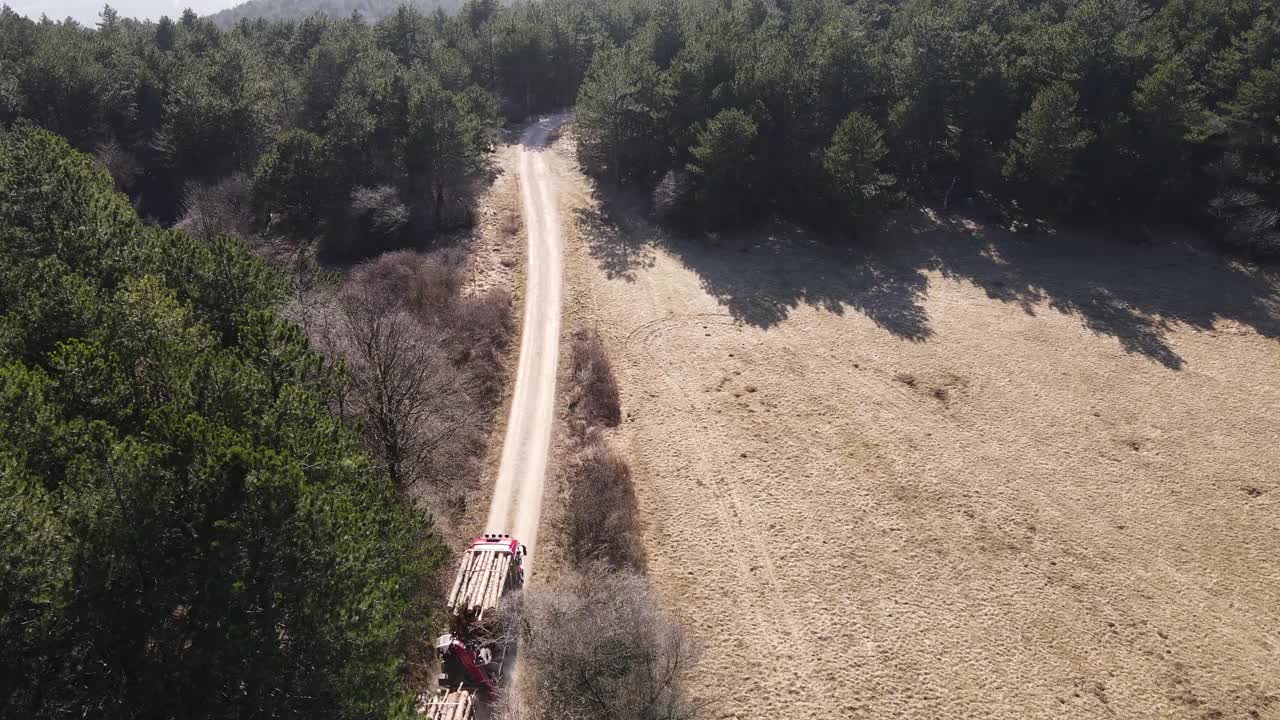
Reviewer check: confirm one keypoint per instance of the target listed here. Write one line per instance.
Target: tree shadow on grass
(619, 247)
(1135, 293)
(763, 275)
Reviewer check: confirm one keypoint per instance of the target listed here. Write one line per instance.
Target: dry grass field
(953, 474)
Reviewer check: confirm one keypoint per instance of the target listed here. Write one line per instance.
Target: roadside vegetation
(596, 522)
(596, 640)
(426, 366)
(597, 644)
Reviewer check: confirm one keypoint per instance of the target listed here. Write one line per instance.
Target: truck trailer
(473, 651)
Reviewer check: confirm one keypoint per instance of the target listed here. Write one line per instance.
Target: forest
(1109, 112)
(364, 135)
(203, 512)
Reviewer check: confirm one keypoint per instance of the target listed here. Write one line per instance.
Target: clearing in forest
(951, 474)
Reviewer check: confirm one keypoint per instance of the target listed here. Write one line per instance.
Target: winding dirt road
(517, 495)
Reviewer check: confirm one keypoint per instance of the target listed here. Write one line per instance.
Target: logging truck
(472, 653)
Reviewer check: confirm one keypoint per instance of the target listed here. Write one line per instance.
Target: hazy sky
(86, 11)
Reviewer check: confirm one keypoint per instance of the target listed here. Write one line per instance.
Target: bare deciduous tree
(119, 162)
(382, 207)
(210, 210)
(411, 397)
(597, 644)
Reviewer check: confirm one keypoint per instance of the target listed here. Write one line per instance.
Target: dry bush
(672, 197)
(476, 331)
(597, 518)
(597, 644)
(597, 521)
(593, 399)
(510, 225)
(424, 283)
(426, 364)
(381, 207)
(482, 328)
(1250, 223)
(119, 162)
(211, 210)
(417, 416)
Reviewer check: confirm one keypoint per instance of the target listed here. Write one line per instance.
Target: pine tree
(853, 162)
(1050, 136)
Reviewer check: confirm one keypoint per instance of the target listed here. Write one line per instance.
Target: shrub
(426, 364)
(380, 210)
(672, 197)
(427, 284)
(597, 518)
(597, 644)
(593, 391)
(211, 210)
(597, 522)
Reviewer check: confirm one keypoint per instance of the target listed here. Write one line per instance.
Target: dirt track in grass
(956, 474)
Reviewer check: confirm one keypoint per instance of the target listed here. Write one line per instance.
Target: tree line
(373, 135)
(826, 110)
(360, 137)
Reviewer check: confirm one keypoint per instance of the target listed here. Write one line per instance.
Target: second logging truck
(473, 651)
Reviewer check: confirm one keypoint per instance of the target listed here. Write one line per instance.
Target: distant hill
(372, 10)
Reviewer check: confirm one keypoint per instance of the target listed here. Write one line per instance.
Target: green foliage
(295, 180)
(1049, 137)
(312, 111)
(965, 91)
(617, 115)
(1257, 103)
(372, 10)
(185, 529)
(1094, 106)
(723, 165)
(854, 162)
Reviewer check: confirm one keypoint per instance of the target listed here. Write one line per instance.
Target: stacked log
(450, 705)
(481, 579)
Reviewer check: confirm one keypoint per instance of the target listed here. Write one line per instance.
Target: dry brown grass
(980, 476)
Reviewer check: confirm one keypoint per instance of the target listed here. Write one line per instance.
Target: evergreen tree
(723, 166)
(854, 161)
(616, 115)
(186, 529)
(1050, 136)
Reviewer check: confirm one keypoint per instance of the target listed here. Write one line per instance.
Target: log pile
(482, 577)
(450, 705)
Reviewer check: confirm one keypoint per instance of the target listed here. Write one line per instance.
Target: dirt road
(517, 495)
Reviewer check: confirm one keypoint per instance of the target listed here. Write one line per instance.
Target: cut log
(457, 582)
(499, 580)
(477, 575)
(483, 574)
